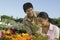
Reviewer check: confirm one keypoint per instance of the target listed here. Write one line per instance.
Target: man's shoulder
(25, 17)
(37, 12)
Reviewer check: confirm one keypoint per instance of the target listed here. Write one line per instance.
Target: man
(30, 19)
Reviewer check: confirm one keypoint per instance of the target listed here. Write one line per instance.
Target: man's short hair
(27, 6)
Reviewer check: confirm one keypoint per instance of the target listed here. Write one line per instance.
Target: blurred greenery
(57, 21)
(40, 37)
(35, 29)
(7, 17)
(10, 19)
(5, 39)
(19, 20)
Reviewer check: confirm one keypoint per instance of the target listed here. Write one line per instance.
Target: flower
(33, 22)
(39, 25)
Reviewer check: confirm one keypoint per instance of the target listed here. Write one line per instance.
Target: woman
(48, 27)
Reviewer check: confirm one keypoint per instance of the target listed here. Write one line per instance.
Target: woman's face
(43, 21)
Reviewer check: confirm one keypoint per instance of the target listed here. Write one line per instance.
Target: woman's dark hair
(27, 6)
(44, 15)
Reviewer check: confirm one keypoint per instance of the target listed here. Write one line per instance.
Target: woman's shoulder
(55, 26)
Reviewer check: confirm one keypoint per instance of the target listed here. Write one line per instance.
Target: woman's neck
(46, 28)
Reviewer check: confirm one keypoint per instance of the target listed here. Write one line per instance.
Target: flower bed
(18, 36)
(24, 36)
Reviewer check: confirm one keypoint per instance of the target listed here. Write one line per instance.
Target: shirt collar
(51, 27)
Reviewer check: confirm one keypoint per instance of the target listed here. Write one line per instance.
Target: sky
(15, 7)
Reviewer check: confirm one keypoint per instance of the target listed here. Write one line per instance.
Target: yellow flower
(39, 25)
(23, 34)
(33, 22)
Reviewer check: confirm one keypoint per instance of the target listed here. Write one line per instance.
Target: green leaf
(35, 29)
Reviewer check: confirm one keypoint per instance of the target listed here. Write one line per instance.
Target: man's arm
(26, 26)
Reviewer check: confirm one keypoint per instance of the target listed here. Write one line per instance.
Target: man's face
(30, 12)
